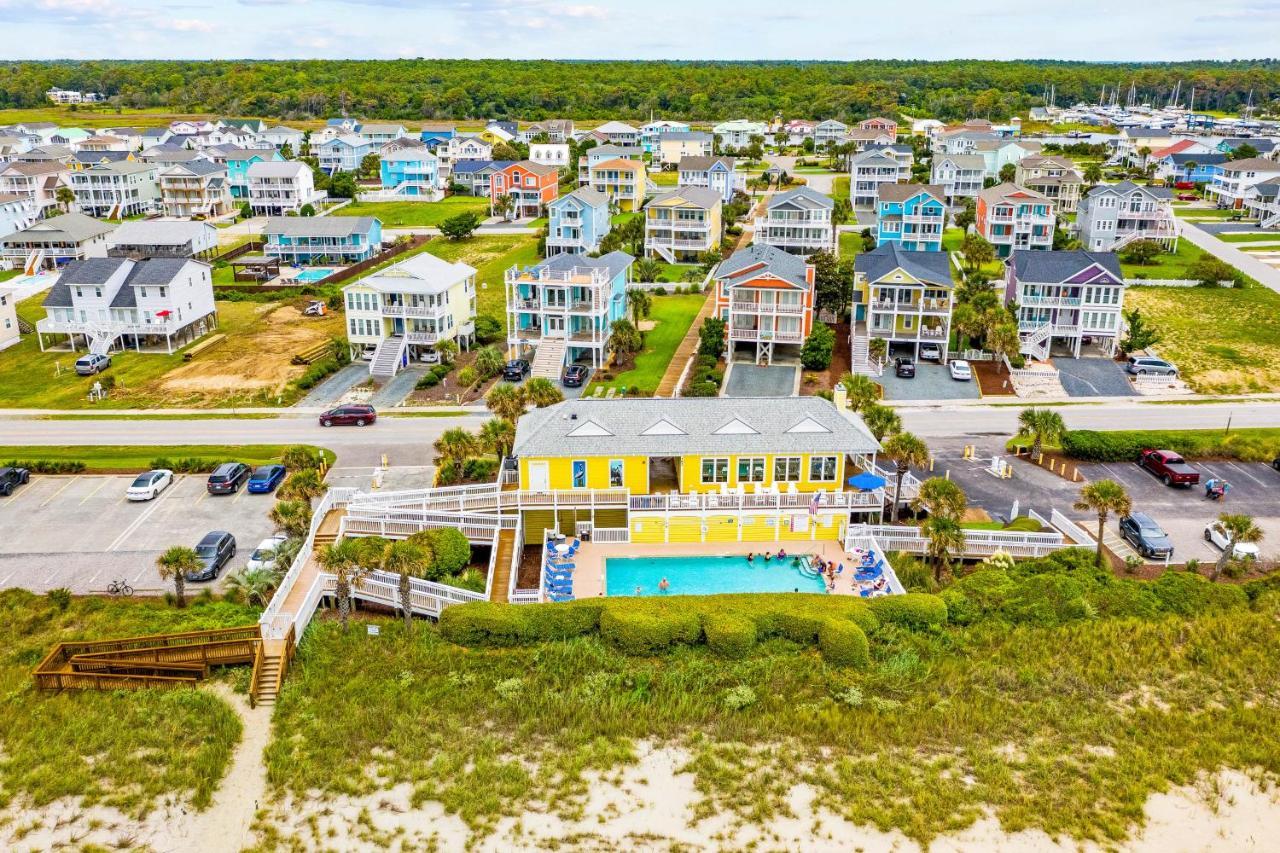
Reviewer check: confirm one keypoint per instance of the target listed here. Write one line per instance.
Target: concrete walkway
(1249, 265)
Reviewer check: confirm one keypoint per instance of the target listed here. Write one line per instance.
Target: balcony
(119, 327)
(402, 310)
(1049, 301)
(703, 244)
(767, 335)
(747, 307)
(420, 337)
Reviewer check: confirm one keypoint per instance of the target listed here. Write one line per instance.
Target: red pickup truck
(1171, 468)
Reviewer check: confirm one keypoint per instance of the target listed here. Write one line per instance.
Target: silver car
(1144, 365)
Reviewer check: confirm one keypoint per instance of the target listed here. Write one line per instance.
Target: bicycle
(120, 587)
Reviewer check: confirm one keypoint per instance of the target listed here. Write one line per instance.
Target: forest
(696, 91)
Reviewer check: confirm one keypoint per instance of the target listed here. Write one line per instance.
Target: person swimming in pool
(637, 590)
(664, 585)
(782, 553)
(768, 556)
(751, 557)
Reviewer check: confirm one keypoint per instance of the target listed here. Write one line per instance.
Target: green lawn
(5, 275)
(674, 273)
(127, 749)
(1205, 212)
(850, 243)
(1260, 237)
(406, 214)
(1224, 340)
(673, 315)
(665, 179)
(1166, 265)
(492, 257)
(622, 218)
(840, 187)
(126, 458)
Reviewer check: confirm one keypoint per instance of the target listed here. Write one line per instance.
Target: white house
(550, 154)
(52, 242)
(738, 132)
(619, 133)
(16, 213)
(162, 238)
(716, 173)
(1234, 185)
(278, 187)
(959, 175)
(871, 168)
(797, 221)
(10, 334)
(467, 148)
(117, 190)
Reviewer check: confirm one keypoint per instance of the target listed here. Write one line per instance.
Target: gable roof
(873, 157)
(927, 267)
(614, 263)
(1125, 187)
(1202, 158)
(616, 127)
(759, 259)
(1058, 266)
(74, 226)
(1251, 164)
(702, 164)
(585, 195)
(690, 425)
(199, 167)
(803, 197)
(619, 163)
(318, 226)
(97, 271)
(277, 169)
(1007, 192)
(157, 232)
(532, 167)
(703, 197)
(423, 273)
(964, 161)
(901, 192)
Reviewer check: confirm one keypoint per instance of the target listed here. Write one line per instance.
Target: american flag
(813, 504)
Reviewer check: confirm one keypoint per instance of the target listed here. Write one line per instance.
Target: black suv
(575, 375)
(515, 370)
(11, 478)
(228, 478)
(1146, 536)
(904, 368)
(214, 550)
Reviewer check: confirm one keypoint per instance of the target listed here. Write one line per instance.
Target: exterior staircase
(1271, 220)
(1036, 344)
(35, 260)
(665, 252)
(386, 361)
(548, 361)
(502, 565)
(267, 676)
(100, 341)
(863, 363)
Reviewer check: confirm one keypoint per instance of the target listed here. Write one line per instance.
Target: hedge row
(730, 625)
(1249, 445)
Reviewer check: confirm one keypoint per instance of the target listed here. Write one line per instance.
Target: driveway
(750, 380)
(931, 382)
(1093, 377)
(335, 386)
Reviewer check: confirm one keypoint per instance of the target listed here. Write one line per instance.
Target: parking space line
(22, 490)
(1246, 473)
(59, 491)
(137, 522)
(89, 582)
(239, 494)
(5, 582)
(104, 482)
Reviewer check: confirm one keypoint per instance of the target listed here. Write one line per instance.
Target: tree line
(470, 89)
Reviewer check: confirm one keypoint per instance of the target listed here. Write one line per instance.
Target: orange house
(532, 186)
(765, 297)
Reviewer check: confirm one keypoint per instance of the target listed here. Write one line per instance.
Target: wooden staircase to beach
(502, 565)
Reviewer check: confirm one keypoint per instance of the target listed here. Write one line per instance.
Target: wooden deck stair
(502, 565)
(268, 673)
(327, 533)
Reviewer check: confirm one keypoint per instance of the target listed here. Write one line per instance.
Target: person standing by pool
(664, 585)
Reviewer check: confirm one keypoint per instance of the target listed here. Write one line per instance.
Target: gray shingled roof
(276, 169)
(691, 425)
(157, 232)
(769, 259)
(1125, 187)
(686, 136)
(703, 197)
(1251, 164)
(998, 193)
(1053, 267)
(201, 167)
(97, 271)
(928, 267)
(318, 226)
(701, 164)
(614, 262)
(964, 161)
(588, 196)
(902, 192)
(804, 197)
(74, 226)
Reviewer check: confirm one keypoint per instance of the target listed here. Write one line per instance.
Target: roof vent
(736, 427)
(573, 416)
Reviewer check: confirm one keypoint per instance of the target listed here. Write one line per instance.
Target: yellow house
(623, 181)
(682, 224)
(902, 297)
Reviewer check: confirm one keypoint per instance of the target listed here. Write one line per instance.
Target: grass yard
(1205, 212)
(5, 275)
(251, 367)
(1259, 237)
(418, 214)
(1166, 264)
(665, 179)
(672, 315)
(840, 187)
(850, 243)
(492, 257)
(1224, 340)
(126, 749)
(106, 458)
(622, 218)
(1060, 702)
(674, 273)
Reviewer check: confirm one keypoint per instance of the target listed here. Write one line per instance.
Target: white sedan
(264, 556)
(960, 370)
(147, 486)
(1216, 534)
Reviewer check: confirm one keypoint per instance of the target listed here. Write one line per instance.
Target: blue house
(410, 172)
(436, 134)
(305, 240)
(912, 216)
(1260, 144)
(577, 222)
(344, 153)
(238, 161)
(1198, 168)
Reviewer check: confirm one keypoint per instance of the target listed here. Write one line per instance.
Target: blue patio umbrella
(866, 481)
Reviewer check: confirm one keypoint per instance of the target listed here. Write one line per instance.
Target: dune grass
(492, 257)
(122, 749)
(418, 214)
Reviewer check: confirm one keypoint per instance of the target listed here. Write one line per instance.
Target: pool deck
(589, 573)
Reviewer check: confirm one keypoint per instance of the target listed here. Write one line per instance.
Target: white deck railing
(1073, 531)
(978, 543)
(713, 501)
(610, 535)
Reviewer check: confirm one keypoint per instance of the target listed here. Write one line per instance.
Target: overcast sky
(640, 29)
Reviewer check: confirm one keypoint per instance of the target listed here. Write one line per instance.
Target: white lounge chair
(792, 490)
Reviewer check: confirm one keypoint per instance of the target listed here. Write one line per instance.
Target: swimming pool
(313, 274)
(705, 575)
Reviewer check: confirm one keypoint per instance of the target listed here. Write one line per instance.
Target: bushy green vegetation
(1056, 696)
(672, 314)
(123, 749)
(417, 214)
(492, 257)
(127, 458)
(1259, 444)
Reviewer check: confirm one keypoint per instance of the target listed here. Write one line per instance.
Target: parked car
(368, 352)
(904, 368)
(11, 478)
(575, 375)
(1143, 365)
(214, 550)
(960, 370)
(1146, 536)
(1215, 534)
(265, 478)
(227, 478)
(350, 415)
(930, 352)
(1275, 463)
(87, 365)
(1171, 468)
(146, 486)
(515, 370)
(264, 556)
(429, 356)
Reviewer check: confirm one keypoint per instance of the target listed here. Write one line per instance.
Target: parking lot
(931, 382)
(752, 380)
(79, 532)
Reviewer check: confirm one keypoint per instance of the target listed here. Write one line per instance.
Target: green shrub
(815, 352)
(843, 644)
(451, 549)
(481, 470)
(913, 610)
(643, 630)
(728, 635)
(1188, 594)
(59, 598)
(561, 621)
(428, 380)
(48, 466)
(482, 623)
(703, 389)
(316, 373)
(1250, 445)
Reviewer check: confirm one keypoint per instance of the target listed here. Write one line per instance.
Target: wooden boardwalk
(502, 566)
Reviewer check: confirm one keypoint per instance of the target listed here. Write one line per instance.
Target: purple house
(1065, 300)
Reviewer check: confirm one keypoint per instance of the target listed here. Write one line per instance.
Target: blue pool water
(705, 575)
(313, 274)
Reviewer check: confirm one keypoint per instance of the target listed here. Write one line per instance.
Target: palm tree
(542, 392)
(254, 586)
(863, 391)
(292, 517)
(906, 451)
(405, 559)
(639, 300)
(943, 535)
(507, 401)
(343, 560)
(65, 197)
(176, 563)
(489, 362)
(1092, 174)
(504, 205)
(1041, 425)
(497, 435)
(1239, 528)
(455, 447)
(941, 497)
(1003, 340)
(881, 420)
(296, 457)
(302, 486)
(1103, 497)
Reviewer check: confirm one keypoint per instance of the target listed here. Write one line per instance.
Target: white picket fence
(1073, 531)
